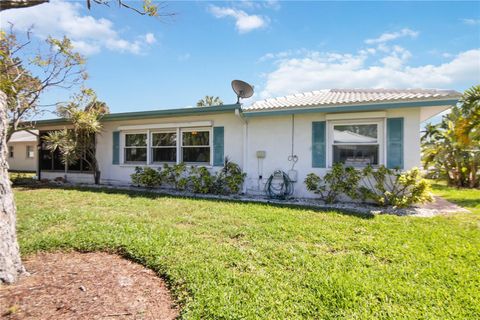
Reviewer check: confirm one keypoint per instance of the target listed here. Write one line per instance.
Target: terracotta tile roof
(333, 97)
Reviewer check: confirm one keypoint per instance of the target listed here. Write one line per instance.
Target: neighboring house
(22, 151)
(305, 132)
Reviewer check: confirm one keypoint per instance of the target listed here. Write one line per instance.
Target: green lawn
(468, 198)
(227, 260)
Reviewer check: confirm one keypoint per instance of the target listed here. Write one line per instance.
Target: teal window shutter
(395, 143)
(218, 146)
(116, 147)
(319, 145)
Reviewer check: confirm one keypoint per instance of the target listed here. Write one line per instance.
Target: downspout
(239, 114)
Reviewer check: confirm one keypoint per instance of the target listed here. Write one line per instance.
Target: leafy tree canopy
(451, 149)
(209, 101)
(26, 72)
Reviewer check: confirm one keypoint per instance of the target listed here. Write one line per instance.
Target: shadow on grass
(156, 195)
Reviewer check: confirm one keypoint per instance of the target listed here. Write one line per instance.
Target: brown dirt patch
(86, 286)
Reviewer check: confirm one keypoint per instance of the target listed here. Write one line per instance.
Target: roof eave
(349, 107)
(149, 114)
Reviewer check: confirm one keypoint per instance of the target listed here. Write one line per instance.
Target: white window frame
(28, 153)
(151, 146)
(179, 147)
(124, 147)
(11, 152)
(380, 138)
(210, 141)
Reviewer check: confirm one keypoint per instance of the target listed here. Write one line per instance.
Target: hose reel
(279, 185)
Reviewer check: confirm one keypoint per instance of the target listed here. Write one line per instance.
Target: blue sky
(140, 63)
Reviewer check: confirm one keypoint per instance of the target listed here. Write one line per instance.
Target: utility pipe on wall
(239, 114)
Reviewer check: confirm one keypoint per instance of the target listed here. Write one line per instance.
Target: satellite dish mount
(242, 89)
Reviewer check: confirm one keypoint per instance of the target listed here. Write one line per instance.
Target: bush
(175, 175)
(230, 179)
(22, 178)
(146, 177)
(340, 180)
(198, 179)
(387, 187)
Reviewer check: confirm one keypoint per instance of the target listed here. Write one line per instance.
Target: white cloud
(88, 34)
(274, 4)
(389, 36)
(471, 22)
(317, 70)
(243, 22)
(282, 55)
(255, 4)
(150, 38)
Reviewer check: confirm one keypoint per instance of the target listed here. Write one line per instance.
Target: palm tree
(453, 147)
(63, 141)
(431, 130)
(209, 101)
(79, 143)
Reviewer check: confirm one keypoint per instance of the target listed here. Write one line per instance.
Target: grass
(468, 198)
(228, 260)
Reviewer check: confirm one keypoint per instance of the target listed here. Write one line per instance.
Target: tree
(10, 263)
(147, 7)
(451, 149)
(78, 143)
(58, 67)
(209, 101)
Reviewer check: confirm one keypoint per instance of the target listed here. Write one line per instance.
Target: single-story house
(22, 151)
(298, 134)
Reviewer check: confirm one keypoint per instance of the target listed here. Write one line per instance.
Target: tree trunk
(10, 264)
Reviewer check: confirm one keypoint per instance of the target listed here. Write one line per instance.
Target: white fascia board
(192, 124)
(356, 115)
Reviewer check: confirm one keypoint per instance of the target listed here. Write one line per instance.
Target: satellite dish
(242, 89)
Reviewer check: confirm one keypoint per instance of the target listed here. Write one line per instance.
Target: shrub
(388, 187)
(175, 175)
(385, 187)
(200, 180)
(230, 179)
(197, 179)
(22, 178)
(340, 180)
(146, 177)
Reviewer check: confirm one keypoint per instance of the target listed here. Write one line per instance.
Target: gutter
(149, 114)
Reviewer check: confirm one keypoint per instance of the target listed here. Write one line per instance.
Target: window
(196, 146)
(30, 153)
(135, 147)
(356, 144)
(164, 147)
(10, 151)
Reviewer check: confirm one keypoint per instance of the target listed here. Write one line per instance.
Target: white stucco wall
(75, 177)
(20, 161)
(273, 134)
(120, 174)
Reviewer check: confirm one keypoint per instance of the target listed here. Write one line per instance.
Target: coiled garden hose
(282, 189)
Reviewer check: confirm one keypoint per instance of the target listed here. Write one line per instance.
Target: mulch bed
(86, 286)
